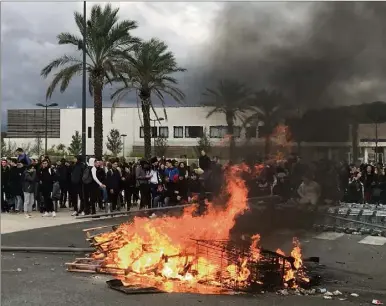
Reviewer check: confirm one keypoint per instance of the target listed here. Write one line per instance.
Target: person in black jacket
(129, 184)
(102, 195)
(76, 188)
(4, 186)
(62, 174)
(204, 161)
(113, 183)
(46, 178)
(15, 184)
(29, 183)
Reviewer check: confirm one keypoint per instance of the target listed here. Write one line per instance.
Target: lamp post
(154, 121)
(123, 139)
(84, 80)
(38, 134)
(46, 106)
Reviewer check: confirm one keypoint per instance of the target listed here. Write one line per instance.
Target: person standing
(102, 196)
(143, 176)
(46, 184)
(113, 184)
(29, 183)
(129, 185)
(77, 187)
(4, 186)
(154, 181)
(62, 173)
(15, 182)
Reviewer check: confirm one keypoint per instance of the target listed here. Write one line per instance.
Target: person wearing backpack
(77, 186)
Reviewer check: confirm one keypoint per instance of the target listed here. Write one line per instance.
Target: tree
(36, 148)
(268, 107)
(148, 71)
(3, 148)
(231, 99)
(204, 143)
(61, 149)
(8, 149)
(75, 147)
(106, 39)
(160, 146)
(114, 142)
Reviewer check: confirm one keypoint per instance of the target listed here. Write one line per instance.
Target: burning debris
(192, 253)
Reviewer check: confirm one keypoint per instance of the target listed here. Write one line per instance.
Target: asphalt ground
(41, 279)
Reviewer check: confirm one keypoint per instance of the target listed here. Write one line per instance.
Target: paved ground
(41, 279)
(16, 222)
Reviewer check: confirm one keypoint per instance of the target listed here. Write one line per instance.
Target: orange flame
(160, 252)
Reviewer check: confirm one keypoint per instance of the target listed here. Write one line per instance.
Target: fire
(291, 274)
(161, 252)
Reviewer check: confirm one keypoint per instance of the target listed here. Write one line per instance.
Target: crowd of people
(85, 187)
(323, 181)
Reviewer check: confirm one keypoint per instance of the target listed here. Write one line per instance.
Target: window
(251, 132)
(194, 131)
(31, 123)
(178, 132)
(220, 131)
(153, 132)
(89, 132)
(237, 131)
(217, 131)
(164, 132)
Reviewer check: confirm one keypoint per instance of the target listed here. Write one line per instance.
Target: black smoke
(317, 54)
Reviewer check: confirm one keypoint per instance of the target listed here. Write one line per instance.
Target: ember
(194, 253)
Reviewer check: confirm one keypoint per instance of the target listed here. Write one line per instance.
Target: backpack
(87, 176)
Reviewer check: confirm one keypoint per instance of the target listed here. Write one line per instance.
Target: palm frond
(61, 61)
(66, 38)
(64, 76)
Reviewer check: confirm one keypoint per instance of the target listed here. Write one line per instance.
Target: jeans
(29, 199)
(104, 194)
(18, 203)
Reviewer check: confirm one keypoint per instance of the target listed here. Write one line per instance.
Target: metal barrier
(365, 219)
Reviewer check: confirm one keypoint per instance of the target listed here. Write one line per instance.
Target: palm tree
(268, 108)
(106, 39)
(231, 99)
(148, 71)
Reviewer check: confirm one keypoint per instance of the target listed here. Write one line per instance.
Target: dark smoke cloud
(318, 54)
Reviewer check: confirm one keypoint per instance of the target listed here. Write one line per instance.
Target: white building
(182, 128)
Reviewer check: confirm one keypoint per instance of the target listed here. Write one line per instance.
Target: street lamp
(38, 134)
(154, 121)
(46, 106)
(123, 137)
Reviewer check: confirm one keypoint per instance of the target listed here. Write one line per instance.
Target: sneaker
(27, 216)
(74, 214)
(82, 213)
(53, 214)
(46, 214)
(153, 216)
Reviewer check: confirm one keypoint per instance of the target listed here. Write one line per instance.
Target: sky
(317, 53)
(28, 42)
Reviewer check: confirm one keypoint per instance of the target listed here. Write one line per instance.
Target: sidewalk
(16, 222)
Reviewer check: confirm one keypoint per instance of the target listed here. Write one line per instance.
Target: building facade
(182, 128)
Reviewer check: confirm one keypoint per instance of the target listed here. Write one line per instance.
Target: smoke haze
(317, 54)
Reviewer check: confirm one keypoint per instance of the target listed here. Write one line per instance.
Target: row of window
(198, 131)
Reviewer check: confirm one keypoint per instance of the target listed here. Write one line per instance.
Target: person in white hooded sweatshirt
(92, 186)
